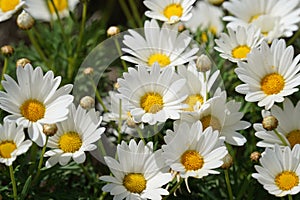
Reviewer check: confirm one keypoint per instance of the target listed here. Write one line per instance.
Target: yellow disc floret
(192, 160)
(8, 5)
(286, 180)
(70, 142)
(33, 110)
(60, 5)
(135, 182)
(162, 59)
(152, 102)
(272, 84)
(6, 148)
(240, 52)
(294, 137)
(212, 121)
(192, 100)
(173, 10)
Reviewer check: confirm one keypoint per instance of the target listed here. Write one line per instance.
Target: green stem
(228, 184)
(13, 181)
(98, 96)
(280, 137)
(103, 195)
(41, 161)
(120, 122)
(38, 49)
(101, 147)
(174, 189)
(140, 134)
(136, 14)
(127, 13)
(5, 64)
(290, 197)
(292, 40)
(120, 54)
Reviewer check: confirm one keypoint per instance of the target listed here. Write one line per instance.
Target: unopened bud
(216, 2)
(87, 102)
(270, 123)
(22, 62)
(130, 123)
(227, 161)
(25, 21)
(7, 50)
(49, 129)
(181, 27)
(113, 30)
(88, 71)
(255, 156)
(203, 63)
(116, 85)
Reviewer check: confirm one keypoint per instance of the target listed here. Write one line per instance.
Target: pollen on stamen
(162, 59)
(135, 182)
(70, 142)
(286, 180)
(6, 148)
(192, 160)
(293, 137)
(151, 102)
(8, 5)
(240, 52)
(33, 110)
(272, 84)
(173, 10)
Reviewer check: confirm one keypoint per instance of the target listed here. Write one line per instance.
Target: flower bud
(25, 21)
(216, 2)
(227, 161)
(87, 102)
(7, 50)
(255, 156)
(113, 30)
(88, 71)
(181, 27)
(270, 123)
(203, 63)
(116, 85)
(22, 62)
(49, 129)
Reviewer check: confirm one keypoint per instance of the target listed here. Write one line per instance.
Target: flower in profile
(152, 96)
(222, 116)
(288, 126)
(169, 11)
(138, 174)
(279, 171)
(74, 136)
(12, 142)
(201, 21)
(45, 10)
(270, 74)
(35, 100)
(163, 45)
(236, 45)
(192, 151)
(273, 17)
(9, 7)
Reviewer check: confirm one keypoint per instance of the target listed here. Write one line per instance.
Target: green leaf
(26, 188)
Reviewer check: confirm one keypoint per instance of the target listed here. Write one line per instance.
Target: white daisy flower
(138, 174)
(74, 136)
(45, 11)
(206, 17)
(235, 45)
(270, 74)
(9, 7)
(153, 96)
(12, 142)
(275, 18)
(35, 100)
(193, 152)
(279, 171)
(170, 11)
(221, 116)
(163, 45)
(198, 85)
(288, 126)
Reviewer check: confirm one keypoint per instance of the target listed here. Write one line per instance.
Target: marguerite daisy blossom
(236, 45)
(44, 9)
(153, 96)
(288, 126)
(9, 7)
(163, 45)
(12, 142)
(138, 174)
(74, 136)
(270, 74)
(169, 11)
(35, 100)
(193, 152)
(279, 172)
(222, 116)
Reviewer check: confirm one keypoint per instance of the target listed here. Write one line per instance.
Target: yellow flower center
(162, 59)
(152, 102)
(134, 183)
(70, 142)
(286, 180)
(192, 160)
(173, 10)
(60, 5)
(240, 52)
(213, 30)
(33, 110)
(253, 18)
(272, 83)
(8, 5)
(210, 121)
(6, 148)
(192, 100)
(204, 37)
(294, 137)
